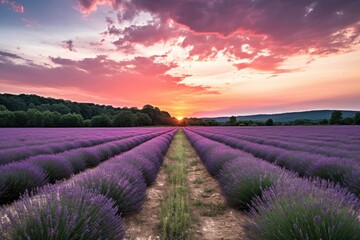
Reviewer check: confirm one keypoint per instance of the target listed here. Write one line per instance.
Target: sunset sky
(189, 57)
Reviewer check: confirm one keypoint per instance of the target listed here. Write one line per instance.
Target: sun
(179, 118)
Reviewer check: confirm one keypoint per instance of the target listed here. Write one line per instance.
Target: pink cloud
(265, 63)
(281, 28)
(105, 78)
(69, 44)
(15, 6)
(89, 6)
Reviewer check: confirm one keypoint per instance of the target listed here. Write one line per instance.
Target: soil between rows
(211, 217)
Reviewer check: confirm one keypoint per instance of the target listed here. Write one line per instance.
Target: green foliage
(232, 121)
(48, 119)
(143, 119)
(3, 108)
(34, 118)
(336, 117)
(125, 119)
(7, 119)
(20, 118)
(269, 122)
(100, 121)
(71, 120)
(357, 118)
(175, 211)
(50, 112)
(60, 108)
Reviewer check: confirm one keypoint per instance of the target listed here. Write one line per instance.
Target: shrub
(333, 169)
(63, 213)
(217, 157)
(77, 160)
(16, 178)
(147, 168)
(128, 196)
(90, 156)
(124, 171)
(55, 167)
(352, 181)
(242, 180)
(299, 209)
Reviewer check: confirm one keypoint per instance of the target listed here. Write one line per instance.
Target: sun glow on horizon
(180, 118)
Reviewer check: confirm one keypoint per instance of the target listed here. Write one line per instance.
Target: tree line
(35, 111)
(335, 119)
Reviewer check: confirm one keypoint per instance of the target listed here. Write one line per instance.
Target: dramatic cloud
(15, 6)
(281, 28)
(185, 56)
(69, 45)
(9, 55)
(140, 80)
(88, 6)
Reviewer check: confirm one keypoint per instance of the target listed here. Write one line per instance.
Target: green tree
(87, 123)
(12, 103)
(56, 119)
(336, 117)
(3, 108)
(20, 118)
(269, 122)
(72, 120)
(34, 118)
(143, 119)
(348, 121)
(101, 121)
(125, 119)
(48, 119)
(60, 108)
(232, 120)
(7, 119)
(357, 118)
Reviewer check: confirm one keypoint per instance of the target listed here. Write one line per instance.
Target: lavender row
(281, 205)
(18, 154)
(18, 177)
(20, 137)
(339, 170)
(351, 151)
(331, 136)
(91, 206)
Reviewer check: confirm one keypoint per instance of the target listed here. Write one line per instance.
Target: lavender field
(294, 182)
(50, 168)
(289, 182)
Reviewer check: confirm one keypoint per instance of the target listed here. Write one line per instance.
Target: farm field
(180, 183)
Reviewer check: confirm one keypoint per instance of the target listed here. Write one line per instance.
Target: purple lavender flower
(62, 213)
(16, 178)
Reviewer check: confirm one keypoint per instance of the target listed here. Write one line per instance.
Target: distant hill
(286, 117)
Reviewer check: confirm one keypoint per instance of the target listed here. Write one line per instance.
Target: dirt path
(145, 225)
(212, 217)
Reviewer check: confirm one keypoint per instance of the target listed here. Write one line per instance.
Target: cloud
(105, 78)
(209, 28)
(68, 45)
(10, 55)
(89, 6)
(265, 63)
(15, 6)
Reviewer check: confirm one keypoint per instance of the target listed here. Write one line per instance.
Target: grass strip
(175, 218)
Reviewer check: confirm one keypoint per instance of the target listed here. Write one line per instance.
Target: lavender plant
(16, 178)
(128, 196)
(55, 167)
(63, 213)
(244, 179)
(300, 209)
